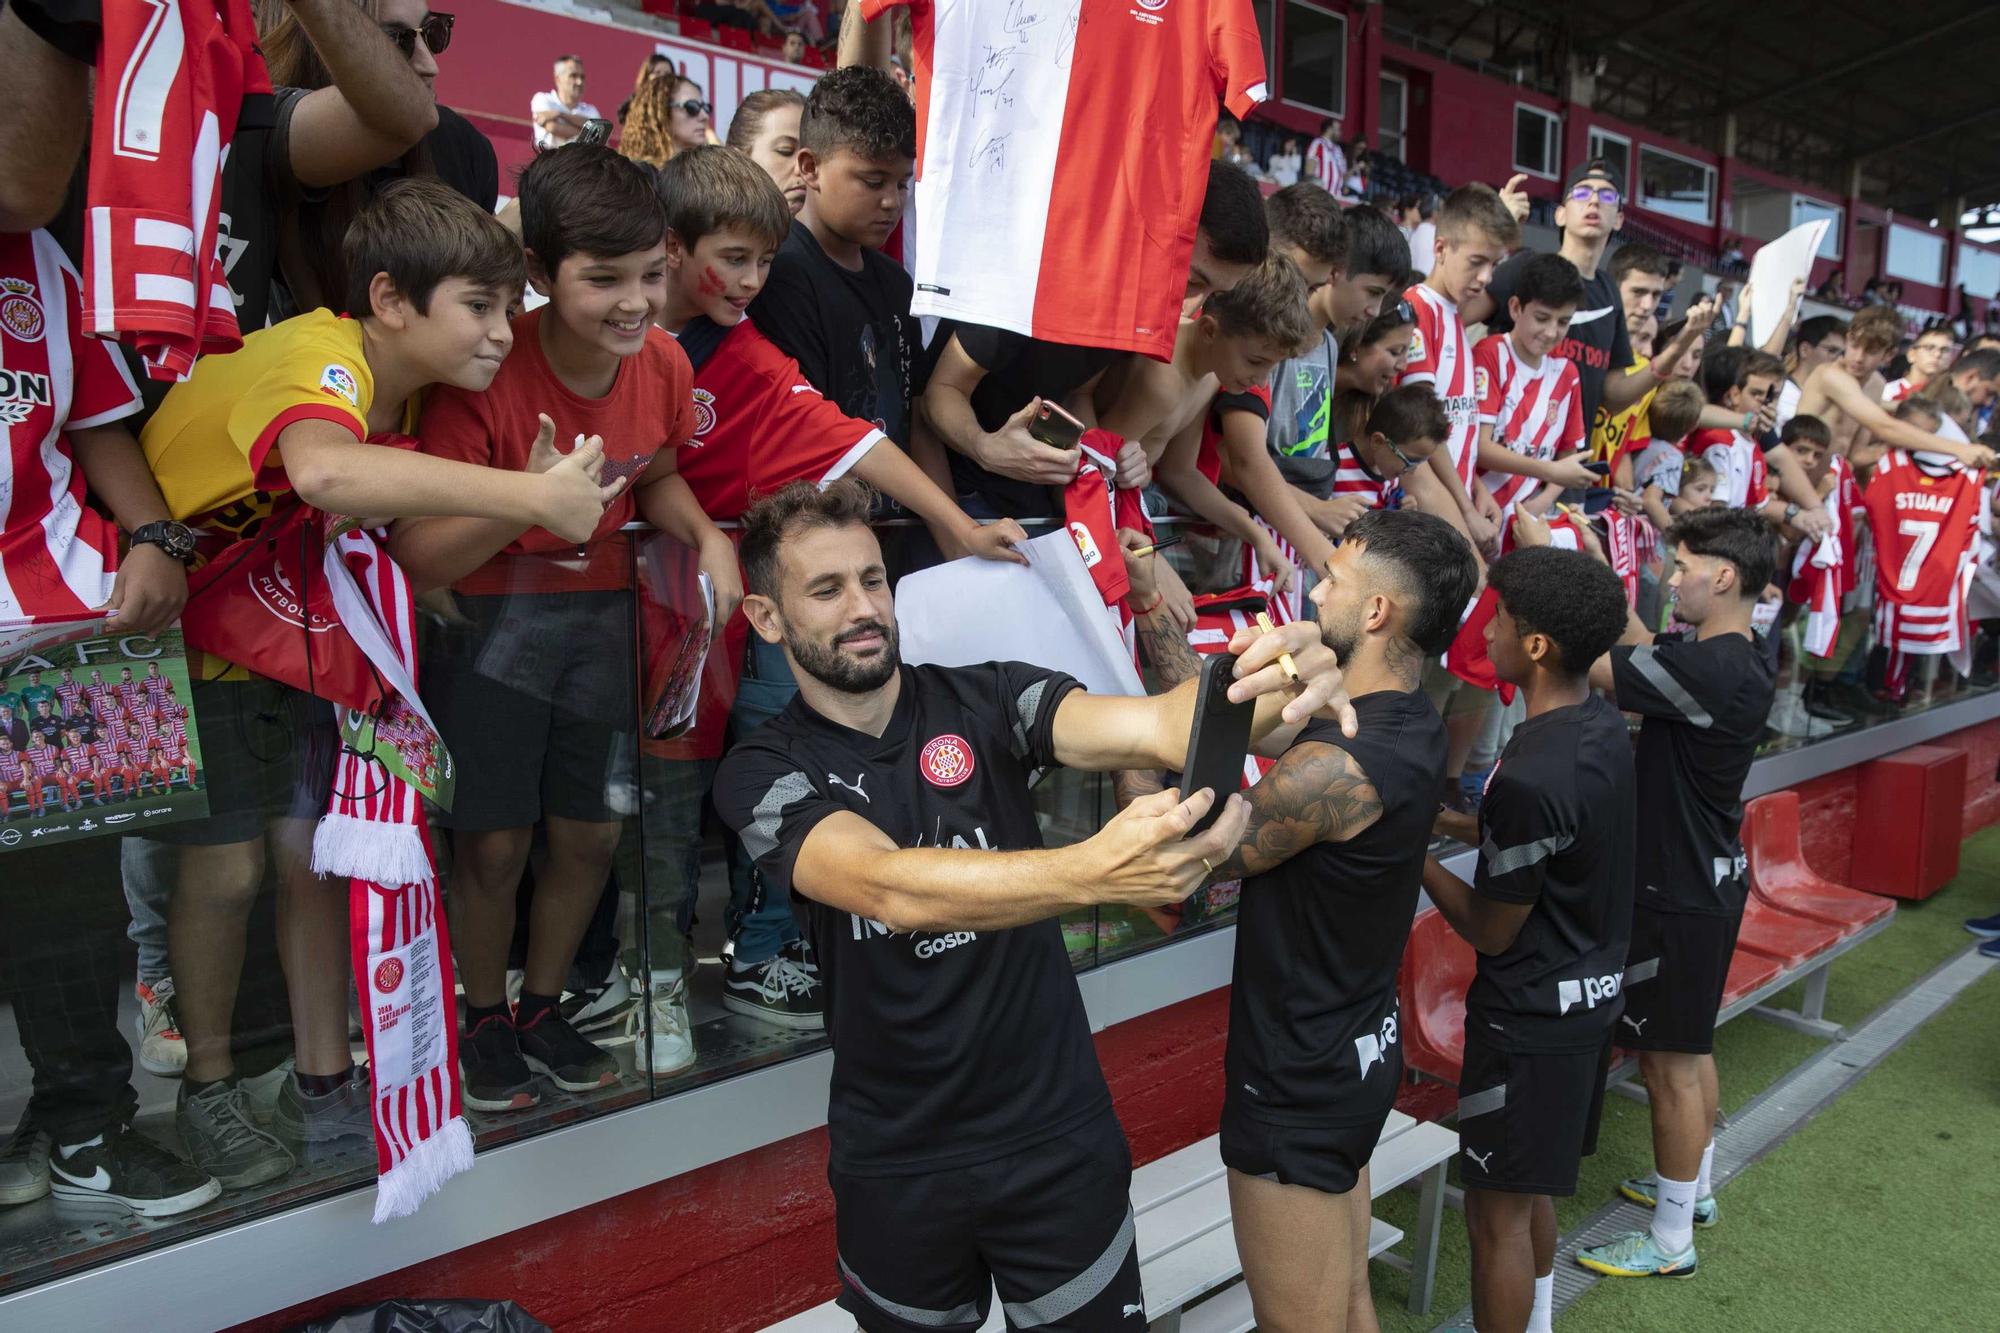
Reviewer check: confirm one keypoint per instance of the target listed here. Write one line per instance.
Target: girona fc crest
(20, 312)
(946, 761)
(704, 412)
(388, 974)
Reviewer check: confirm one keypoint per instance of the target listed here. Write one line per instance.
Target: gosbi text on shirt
(56, 553)
(1441, 356)
(1049, 137)
(1536, 411)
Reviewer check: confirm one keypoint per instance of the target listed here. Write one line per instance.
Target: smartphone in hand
(1055, 427)
(1220, 739)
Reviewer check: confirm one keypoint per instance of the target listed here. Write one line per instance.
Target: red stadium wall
(740, 1244)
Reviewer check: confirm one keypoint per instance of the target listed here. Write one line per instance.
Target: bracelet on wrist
(1158, 602)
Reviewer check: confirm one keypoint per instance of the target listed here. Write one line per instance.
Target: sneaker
(1639, 1189)
(1827, 713)
(601, 1005)
(1790, 718)
(1985, 927)
(224, 1141)
(801, 954)
(345, 1113)
(1637, 1255)
(161, 1049)
(776, 990)
(1989, 948)
(571, 1061)
(24, 1166)
(662, 1040)
(492, 1074)
(125, 1167)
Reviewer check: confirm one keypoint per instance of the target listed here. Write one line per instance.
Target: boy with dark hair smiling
(291, 419)
(1550, 913)
(1530, 405)
(547, 617)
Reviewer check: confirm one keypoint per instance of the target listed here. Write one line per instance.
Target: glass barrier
(189, 978)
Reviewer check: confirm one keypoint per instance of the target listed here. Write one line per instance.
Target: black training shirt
(1018, 370)
(1705, 702)
(949, 1047)
(1313, 1024)
(851, 333)
(1555, 831)
(1597, 341)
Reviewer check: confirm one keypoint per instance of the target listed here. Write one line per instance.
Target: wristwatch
(176, 539)
(1791, 511)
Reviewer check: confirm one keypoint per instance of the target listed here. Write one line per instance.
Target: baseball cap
(1599, 169)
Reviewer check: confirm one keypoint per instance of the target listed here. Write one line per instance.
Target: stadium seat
(1437, 968)
(1907, 846)
(1780, 876)
(1785, 936)
(1748, 971)
(733, 37)
(697, 30)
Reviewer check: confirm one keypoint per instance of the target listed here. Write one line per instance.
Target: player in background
(77, 763)
(69, 692)
(44, 773)
(1549, 912)
(174, 749)
(1704, 701)
(14, 780)
(1531, 427)
(110, 758)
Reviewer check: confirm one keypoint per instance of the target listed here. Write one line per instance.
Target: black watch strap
(176, 539)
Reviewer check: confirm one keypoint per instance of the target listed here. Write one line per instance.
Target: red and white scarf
(375, 835)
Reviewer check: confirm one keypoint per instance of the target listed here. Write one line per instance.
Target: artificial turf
(1882, 1213)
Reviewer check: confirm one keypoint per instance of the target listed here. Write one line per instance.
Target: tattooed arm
(1316, 793)
(1164, 648)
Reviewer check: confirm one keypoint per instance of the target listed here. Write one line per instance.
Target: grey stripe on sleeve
(1026, 709)
(1647, 663)
(1506, 860)
(760, 839)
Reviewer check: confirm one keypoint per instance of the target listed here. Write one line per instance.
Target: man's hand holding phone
(1015, 451)
(1319, 690)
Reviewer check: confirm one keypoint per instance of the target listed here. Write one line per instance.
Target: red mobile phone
(1055, 427)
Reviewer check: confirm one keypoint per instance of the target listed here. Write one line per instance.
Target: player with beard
(973, 1139)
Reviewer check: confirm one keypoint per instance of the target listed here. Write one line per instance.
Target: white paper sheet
(1773, 270)
(1049, 613)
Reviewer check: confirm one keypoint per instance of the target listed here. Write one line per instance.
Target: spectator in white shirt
(1285, 163)
(559, 115)
(1414, 213)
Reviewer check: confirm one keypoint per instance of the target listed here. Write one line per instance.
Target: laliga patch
(1416, 352)
(1086, 545)
(946, 760)
(1480, 380)
(339, 381)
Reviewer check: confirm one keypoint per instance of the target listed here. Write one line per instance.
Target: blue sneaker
(1985, 927)
(1639, 1189)
(1637, 1255)
(1990, 949)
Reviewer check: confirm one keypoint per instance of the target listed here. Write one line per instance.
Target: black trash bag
(430, 1317)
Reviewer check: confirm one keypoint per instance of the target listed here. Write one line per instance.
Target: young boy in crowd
(985, 385)
(1531, 427)
(1847, 395)
(1704, 701)
(1475, 228)
(759, 425)
(1740, 380)
(287, 421)
(1657, 470)
(546, 636)
(1549, 911)
(1275, 441)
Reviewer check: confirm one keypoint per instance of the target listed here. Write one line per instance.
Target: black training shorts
(1527, 1119)
(1050, 1227)
(1674, 977)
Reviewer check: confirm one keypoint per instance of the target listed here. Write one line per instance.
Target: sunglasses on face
(695, 108)
(435, 30)
(1603, 194)
(1405, 313)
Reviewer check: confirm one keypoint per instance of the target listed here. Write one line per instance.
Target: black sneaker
(776, 990)
(493, 1076)
(573, 1063)
(800, 951)
(602, 1004)
(125, 1167)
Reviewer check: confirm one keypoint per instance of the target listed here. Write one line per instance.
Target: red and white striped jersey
(71, 694)
(1738, 464)
(173, 77)
(78, 756)
(1441, 356)
(1326, 165)
(106, 752)
(41, 758)
(1049, 137)
(12, 771)
(56, 553)
(1534, 410)
(1924, 518)
(1895, 391)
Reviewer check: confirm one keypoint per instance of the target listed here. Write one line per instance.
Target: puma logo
(1635, 1023)
(1481, 1158)
(854, 786)
(1131, 1310)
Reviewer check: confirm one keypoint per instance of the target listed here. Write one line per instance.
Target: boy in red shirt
(533, 692)
(1531, 426)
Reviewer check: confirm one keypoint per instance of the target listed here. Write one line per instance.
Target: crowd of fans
(714, 317)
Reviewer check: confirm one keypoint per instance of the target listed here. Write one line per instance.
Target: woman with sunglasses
(315, 221)
(668, 116)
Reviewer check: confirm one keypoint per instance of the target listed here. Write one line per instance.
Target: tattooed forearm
(1130, 785)
(1163, 647)
(1316, 793)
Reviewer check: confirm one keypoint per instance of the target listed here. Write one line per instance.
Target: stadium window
(1806, 210)
(1914, 256)
(1393, 135)
(1677, 186)
(1615, 149)
(1537, 140)
(1314, 52)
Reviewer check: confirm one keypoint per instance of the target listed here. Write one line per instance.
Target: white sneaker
(663, 1042)
(1790, 718)
(161, 1049)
